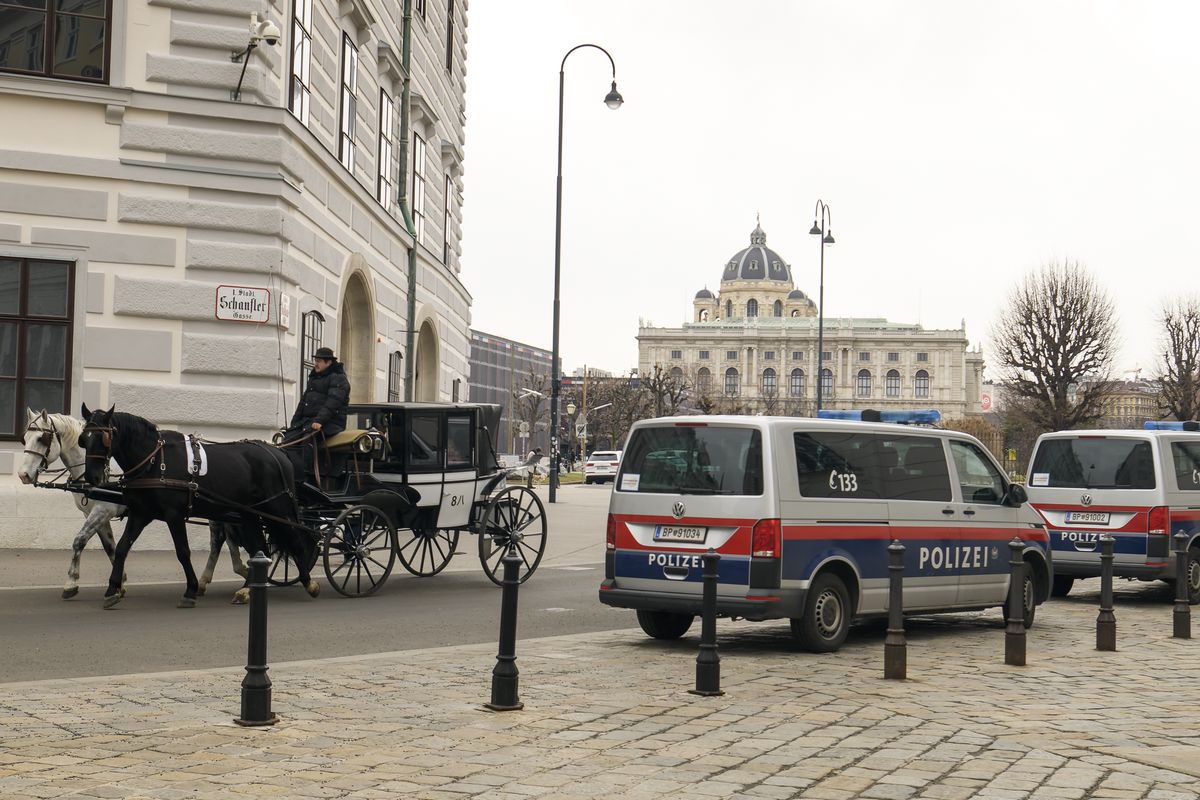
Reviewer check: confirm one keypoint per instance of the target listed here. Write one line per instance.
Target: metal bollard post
(256, 686)
(1182, 618)
(1106, 620)
(1014, 631)
(505, 676)
(895, 647)
(708, 662)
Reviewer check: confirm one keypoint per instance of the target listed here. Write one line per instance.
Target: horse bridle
(106, 433)
(45, 440)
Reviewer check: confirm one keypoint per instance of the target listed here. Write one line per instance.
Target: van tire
(1193, 573)
(1030, 595)
(1062, 585)
(664, 625)
(826, 617)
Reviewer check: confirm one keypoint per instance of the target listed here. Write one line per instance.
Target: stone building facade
(181, 227)
(751, 347)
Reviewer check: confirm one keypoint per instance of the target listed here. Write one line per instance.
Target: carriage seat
(344, 440)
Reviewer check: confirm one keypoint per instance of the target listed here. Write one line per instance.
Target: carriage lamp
(365, 444)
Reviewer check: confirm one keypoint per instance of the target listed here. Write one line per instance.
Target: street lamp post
(613, 100)
(822, 227)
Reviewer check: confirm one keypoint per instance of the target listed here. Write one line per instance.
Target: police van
(802, 512)
(1140, 486)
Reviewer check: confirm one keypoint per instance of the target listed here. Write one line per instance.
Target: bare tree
(666, 390)
(1055, 344)
(1179, 358)
(702, 398)
(531, 400)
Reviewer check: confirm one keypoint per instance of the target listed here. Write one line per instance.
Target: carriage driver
(321, 410)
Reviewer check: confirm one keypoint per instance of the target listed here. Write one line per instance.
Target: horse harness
(46, 439)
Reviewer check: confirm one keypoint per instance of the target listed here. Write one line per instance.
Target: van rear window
(1099, 463)
(1187, 465)
(699, 460)
(871, 466)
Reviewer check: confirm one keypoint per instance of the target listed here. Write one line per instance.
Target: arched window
(731, 382)
(921, 384)
(751, 307)
(703, 380)
(862, 386)
(395, 376)
(312, 327)
(892, 384)
(796, 388)
(728, 309)
(795, 312)
(703, 315)
(779, 308)
(826, 383)
(770, 383)
(677, 373)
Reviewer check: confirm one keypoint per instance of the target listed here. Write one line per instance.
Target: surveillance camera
(264, 31)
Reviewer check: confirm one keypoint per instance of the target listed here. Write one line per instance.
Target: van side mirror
(1015, 495)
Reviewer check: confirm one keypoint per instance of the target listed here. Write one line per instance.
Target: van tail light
(610, 533)
(766, 539)
(1158, 520)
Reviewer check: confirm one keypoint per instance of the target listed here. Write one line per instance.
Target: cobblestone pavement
(608, 715)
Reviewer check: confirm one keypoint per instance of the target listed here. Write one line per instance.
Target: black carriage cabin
(427, 437)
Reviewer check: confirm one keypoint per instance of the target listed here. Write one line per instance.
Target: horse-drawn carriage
(402, 482)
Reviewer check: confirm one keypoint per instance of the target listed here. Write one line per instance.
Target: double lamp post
(822, 227)
(613, 100)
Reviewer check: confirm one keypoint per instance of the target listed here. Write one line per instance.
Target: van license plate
(677, 533)
(1090, 517)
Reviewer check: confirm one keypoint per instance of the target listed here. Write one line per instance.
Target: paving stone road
(608, 715)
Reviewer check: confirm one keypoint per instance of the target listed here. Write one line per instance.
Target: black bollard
(1014, 631)
(505, 676)
(1106, 620)
(256, 686)
(895, 647)
(1182, 618)
(708, 662)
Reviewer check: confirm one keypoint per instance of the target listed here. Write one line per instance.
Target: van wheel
(1062, 585)
(1193, 575)
(826, 620)
(1029, 595)
(664, 624)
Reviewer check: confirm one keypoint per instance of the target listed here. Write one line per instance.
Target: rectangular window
(676, 354)
(447, 207)
(312, 329)
(1101, 463)
(709, 461)
(424, 442)
(395, 376)
(797, 355)
(704, 355)
(36, 307)
(768, 355)
(418, 187)
(59, 39)
(978, 477)
(450, 36)
(731, 355)
(458, 442)
(419, 7)
(1187, 465)
(349, 106)
(385, 192)
(922, 356)
(865, 466)
(893, 357)
(863, 355)
(826, 355)
(300, 93)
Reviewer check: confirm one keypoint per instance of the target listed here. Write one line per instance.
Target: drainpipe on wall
(405, 211)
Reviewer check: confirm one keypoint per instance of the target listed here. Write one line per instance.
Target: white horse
(53, 437)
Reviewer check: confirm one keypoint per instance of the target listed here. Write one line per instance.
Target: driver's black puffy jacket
(324, 401)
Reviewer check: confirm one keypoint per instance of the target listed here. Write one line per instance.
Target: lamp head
(570, 408)
(613, 99)
(816, 229)
(828, 237)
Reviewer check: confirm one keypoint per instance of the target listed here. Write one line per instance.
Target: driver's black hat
(325, 352)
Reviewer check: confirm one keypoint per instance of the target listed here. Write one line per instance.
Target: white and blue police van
(1140, 486)
(802, 512)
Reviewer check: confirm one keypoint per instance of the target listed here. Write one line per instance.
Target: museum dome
(705, 294)
(796, 294)
(757, 262)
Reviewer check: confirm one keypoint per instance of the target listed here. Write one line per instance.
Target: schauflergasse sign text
(243, 303)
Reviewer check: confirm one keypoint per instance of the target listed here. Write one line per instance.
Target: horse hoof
(187, 602)
(69, 593)
(240, 597)
(201, 589)
(314, 589)
(112, 600)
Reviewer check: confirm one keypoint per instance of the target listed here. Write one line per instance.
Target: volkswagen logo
(1086, 499)
(677, 509)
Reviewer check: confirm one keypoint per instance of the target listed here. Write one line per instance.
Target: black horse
(160, 483)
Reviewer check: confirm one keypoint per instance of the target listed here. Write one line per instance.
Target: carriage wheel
(359, 551)
(426, 551)
(515, 517)
(283, 570)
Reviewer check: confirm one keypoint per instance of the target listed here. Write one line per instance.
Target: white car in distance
(601, 466)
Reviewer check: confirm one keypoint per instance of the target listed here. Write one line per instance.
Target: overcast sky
(959, 144)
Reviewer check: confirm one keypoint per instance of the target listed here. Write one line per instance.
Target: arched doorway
(356, 339)
(426, 366)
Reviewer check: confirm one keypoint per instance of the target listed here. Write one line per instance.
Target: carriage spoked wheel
(283, 571)
(514, 517)
(359, 551)
(426, 551)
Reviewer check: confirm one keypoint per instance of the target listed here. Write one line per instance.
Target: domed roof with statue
(757, 262)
